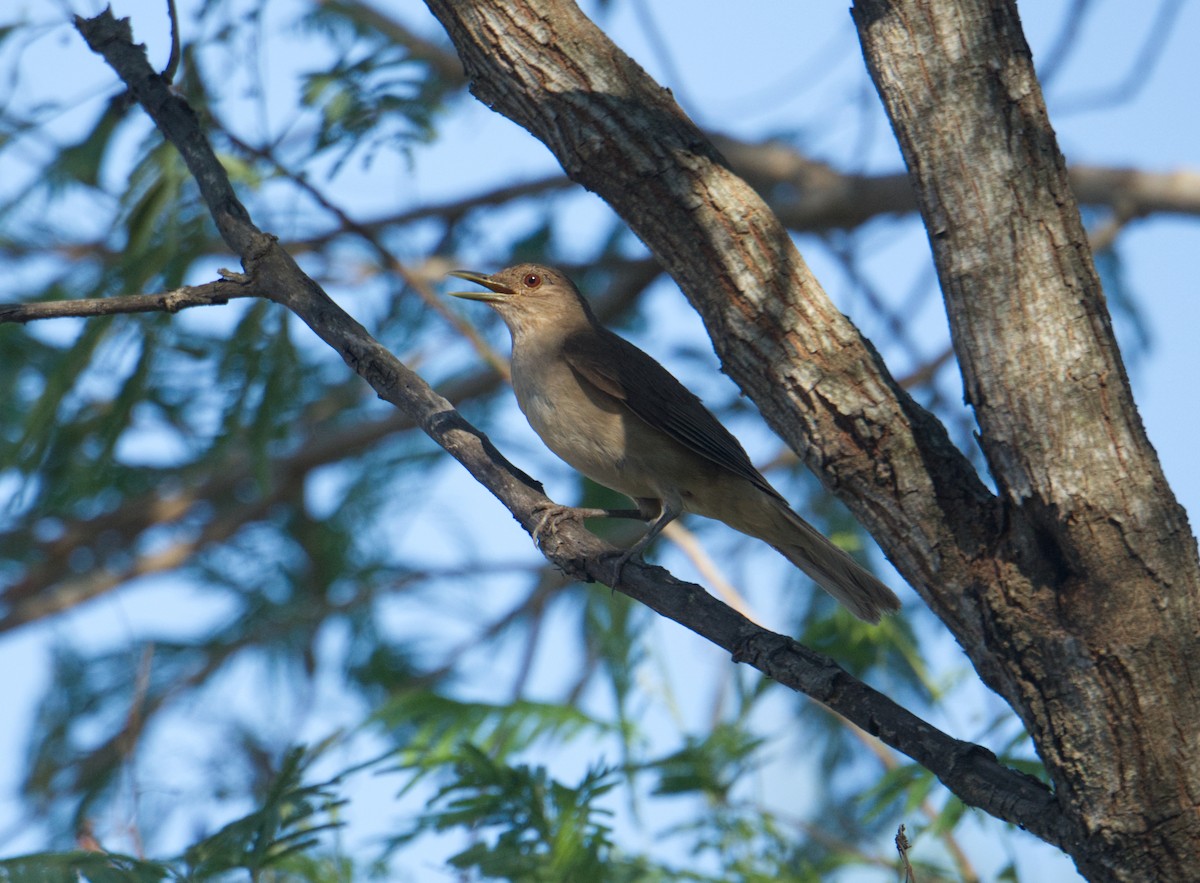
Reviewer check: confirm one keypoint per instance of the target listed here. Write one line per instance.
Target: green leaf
(290, 817)
(94, 867)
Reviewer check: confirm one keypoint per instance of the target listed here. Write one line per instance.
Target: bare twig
(168, 73)
(219, 292)
(902, 847)
(1139, 70)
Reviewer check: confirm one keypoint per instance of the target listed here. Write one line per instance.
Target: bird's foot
(552, 514)
(624, 558)
(634, 552)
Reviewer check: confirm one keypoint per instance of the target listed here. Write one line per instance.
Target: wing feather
(618, 368)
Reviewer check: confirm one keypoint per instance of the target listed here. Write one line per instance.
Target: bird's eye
(532, 280)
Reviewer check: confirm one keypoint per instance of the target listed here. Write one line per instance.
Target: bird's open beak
(496, 291)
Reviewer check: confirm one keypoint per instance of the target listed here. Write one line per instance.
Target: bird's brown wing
(618, 368)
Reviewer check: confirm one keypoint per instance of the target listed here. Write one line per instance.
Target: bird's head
(529, 298)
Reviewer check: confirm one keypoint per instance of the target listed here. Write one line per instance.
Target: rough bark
(1073, 592)
(1095, 633)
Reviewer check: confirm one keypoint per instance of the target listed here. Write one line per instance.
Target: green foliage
(95, 867)
(280, 836)
(288, 822)
(80, 163)
(430, 728)
(528, 827)
(376, 93)
(712, 765)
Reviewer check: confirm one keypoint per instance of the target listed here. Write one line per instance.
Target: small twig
(210, 293)
(925, 373)
(902, 847)
(1103, 236)
(135, 725)
(168, 73)
(1138, 73)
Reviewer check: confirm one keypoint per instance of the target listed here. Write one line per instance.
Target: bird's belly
(591, 442)
(591, 435)
(613, 447)
(600, 438)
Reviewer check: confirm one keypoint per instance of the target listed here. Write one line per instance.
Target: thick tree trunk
(1074, 591)
(1095, 639)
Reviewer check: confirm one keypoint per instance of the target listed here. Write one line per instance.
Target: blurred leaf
(711, 765)
(430, 728)
(289, 820)
(906, 787)
(94, 867)
(80, 163)
(527, 826)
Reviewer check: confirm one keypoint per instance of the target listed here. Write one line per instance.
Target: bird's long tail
(760, 512)
(835, 571)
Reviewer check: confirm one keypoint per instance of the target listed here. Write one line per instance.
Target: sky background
(751, 70)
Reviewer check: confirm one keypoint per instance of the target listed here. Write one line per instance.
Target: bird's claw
(550, 514)
(622, 558)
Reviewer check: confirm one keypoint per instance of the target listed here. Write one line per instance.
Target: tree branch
(968, 770)
(806, 195)
(219, 292)
(809, 195)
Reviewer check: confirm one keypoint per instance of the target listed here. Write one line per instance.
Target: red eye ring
(531, 280)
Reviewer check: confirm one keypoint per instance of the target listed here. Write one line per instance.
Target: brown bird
(624, 421)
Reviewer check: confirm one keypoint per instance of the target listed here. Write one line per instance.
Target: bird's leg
(668, 510)
(635, 514)
(662, 511)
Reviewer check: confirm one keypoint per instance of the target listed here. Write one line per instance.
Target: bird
(619, 417)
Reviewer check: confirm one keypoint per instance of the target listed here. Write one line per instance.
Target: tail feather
(853, 586)
(752, 510)
(836, 572)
